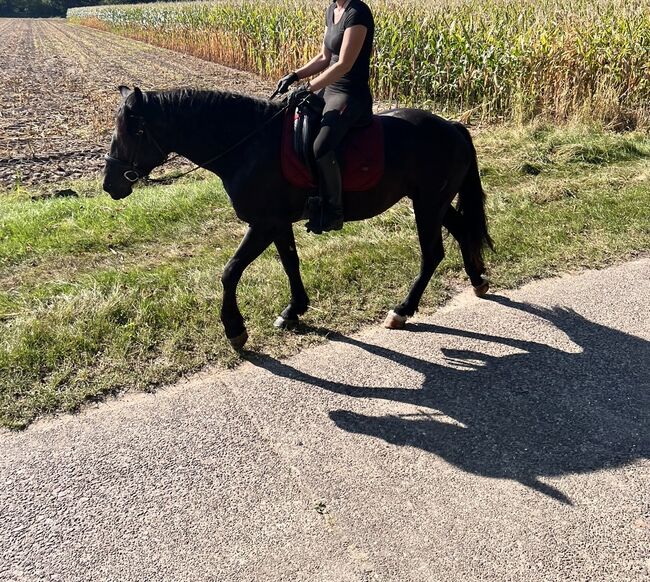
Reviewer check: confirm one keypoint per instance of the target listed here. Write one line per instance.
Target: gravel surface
(501, 439)
(59, 93)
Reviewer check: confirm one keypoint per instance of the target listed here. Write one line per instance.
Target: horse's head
(134, 151)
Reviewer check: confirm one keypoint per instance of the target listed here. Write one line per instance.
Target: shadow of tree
(540, 412)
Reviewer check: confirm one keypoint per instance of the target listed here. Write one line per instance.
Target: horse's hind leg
(474, 265)
(286, 245)
(430, 237)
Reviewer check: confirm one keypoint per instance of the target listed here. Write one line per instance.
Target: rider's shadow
(541, 412)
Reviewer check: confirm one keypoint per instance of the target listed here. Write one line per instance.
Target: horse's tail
(471, 204)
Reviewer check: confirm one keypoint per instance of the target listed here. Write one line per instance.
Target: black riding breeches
(341, 112)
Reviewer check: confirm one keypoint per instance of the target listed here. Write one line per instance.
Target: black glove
(298, 95)
(285, 83)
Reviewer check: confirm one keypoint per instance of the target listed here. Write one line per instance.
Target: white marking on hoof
(482, 289)
(395, 321)
(240, 341)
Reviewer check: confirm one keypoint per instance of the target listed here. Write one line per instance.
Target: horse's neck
(204, 132)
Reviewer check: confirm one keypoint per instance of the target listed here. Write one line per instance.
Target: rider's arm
(319, 63)
(351, 46)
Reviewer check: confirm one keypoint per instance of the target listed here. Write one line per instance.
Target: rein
(132, 174)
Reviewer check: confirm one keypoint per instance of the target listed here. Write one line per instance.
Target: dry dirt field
(59, 92)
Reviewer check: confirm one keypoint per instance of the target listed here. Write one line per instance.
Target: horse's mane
(179, 100)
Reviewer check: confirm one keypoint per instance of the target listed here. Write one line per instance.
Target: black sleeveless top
(356, 81)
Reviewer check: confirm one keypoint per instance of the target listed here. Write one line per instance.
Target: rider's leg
(340, 113)
(331, 195)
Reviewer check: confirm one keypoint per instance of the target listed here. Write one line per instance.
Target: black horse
(427, 158)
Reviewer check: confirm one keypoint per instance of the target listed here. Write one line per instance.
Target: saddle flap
(306, 125)
(362, 155)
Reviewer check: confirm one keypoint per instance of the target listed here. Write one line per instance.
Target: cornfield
(495, 59)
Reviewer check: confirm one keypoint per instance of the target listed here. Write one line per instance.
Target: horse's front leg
(286, 245)
(255, 241)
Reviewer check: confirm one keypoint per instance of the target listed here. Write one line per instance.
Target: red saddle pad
(362, 164)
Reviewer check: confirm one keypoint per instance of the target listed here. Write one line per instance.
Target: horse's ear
(137, 99)
(124, 91)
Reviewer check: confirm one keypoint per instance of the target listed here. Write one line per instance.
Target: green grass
(98, 297)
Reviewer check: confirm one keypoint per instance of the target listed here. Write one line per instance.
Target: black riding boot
(330, 216)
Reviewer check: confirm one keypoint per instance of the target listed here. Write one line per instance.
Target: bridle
(132, 173)
(130, 170)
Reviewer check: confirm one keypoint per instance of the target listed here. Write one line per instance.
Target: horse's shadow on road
(541, 412)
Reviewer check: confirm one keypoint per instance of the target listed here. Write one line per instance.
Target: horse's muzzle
(117, 192)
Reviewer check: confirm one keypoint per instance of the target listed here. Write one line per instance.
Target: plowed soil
(59, 94)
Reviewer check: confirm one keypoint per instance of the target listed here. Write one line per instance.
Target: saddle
(361, 155)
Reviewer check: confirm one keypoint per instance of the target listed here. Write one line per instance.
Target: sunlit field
(488, 60)
(99, 297)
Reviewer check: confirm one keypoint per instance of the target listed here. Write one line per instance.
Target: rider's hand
(286, 82)
(299, 94)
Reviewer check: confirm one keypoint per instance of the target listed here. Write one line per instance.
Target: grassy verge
(97, 296)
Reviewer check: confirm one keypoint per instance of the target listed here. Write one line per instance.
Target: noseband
(130, 170)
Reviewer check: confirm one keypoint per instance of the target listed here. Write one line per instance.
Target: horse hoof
(239, 341)
(482, 289)
(395, 321)
(282, 323)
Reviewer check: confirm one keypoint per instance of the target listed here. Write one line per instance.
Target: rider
(343, 69)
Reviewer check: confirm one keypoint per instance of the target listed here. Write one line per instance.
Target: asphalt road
(501, 439)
